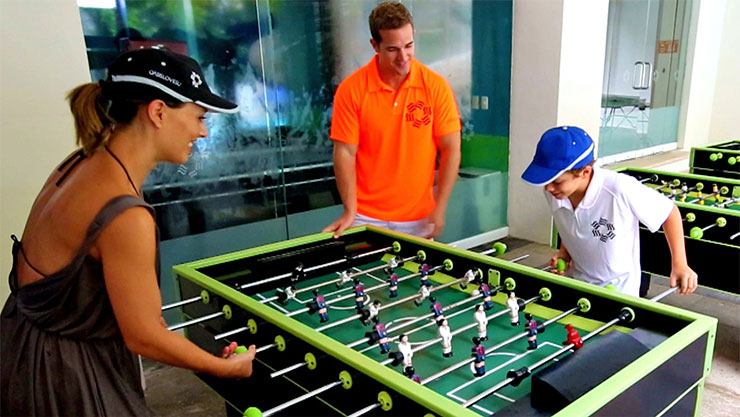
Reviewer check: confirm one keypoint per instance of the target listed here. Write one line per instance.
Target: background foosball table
(718, 159)
(711, 222)
(380, 323)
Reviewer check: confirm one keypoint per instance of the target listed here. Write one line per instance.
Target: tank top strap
(110, 211)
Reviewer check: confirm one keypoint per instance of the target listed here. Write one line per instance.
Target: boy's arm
(680, 271)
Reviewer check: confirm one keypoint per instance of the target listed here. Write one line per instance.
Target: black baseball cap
(174, 75)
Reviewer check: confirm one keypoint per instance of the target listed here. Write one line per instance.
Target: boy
(597, 213)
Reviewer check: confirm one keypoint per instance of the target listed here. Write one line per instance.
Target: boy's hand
(553, 262)
(686, 276)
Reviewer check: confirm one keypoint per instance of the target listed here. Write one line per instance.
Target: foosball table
(382, 323)
(711, 222)
(718, 159)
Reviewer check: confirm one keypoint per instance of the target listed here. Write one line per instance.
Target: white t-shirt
(602, 234)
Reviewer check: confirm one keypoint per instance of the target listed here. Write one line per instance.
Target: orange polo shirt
(396, 136)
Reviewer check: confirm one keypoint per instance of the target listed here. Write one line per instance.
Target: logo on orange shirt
(424, 111)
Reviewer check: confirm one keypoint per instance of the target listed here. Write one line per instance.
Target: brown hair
(388, 15)
(96, 115)
(576, 172)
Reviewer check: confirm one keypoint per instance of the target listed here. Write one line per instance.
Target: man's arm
(346, 177)
(680, 271)
(449, 165)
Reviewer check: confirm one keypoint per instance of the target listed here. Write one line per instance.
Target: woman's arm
(127, 247)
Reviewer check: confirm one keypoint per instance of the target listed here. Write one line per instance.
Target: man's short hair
(388, 15)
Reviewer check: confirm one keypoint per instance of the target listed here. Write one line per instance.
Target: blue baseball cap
(560, 149)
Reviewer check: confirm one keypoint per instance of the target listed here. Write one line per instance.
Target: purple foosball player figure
(479, 355)
(393, 285)
(424, 275)
(411, 373)
(531, 326)
(359, 294)
(437, 310)
(319, 306)
(380, 336)
(486, 291)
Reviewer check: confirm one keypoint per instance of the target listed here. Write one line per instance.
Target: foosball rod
(685, 191)
(389, 305)
(735, 235)
(715, 192)
(276, 278)
(727, 202)
(369, 290)
(393, 304)
(225, 311)
(421, 318)
(496, 347)
(460, 330)
(428, 315)
(315, 267)
(302, 398)
(653, 178)
(674, 183)
(344, 297)
(624, 315)
(323, 284)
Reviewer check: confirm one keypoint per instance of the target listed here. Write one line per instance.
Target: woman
(85, 295)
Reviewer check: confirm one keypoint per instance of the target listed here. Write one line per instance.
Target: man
(390, 119)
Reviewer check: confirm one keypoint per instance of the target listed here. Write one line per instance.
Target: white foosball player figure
(446, 334)
(513, 305)
(482, 320)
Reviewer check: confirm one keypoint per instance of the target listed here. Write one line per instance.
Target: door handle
(637, 75)
(647, 76)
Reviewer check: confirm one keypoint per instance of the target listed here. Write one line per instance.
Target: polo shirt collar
(376, 84)
(592, 192)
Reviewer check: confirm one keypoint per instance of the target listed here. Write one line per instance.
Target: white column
(705, 48)
(558, 50)
(42, 57)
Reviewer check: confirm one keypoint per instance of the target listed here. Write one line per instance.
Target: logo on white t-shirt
(603, 229)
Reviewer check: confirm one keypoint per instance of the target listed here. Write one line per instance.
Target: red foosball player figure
(531, 326)
(359, 294)
(479, 355)
(573, 337)
(411, 373)
(437, 310)
(393, 285)
(319, 306)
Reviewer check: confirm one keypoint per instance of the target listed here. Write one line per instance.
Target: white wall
(556, 79)
(42, 57)
(725, 120)
(702, 67)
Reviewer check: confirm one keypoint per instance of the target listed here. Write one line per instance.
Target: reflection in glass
(281, 61)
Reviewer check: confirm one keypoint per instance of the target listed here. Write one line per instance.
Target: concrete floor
(176, 392)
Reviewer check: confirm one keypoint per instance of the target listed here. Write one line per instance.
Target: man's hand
(437, 219)
(341, 224)
(686, 276)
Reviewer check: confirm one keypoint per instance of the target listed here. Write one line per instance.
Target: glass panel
(234, 175)
(281, 61)
(643, 75)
